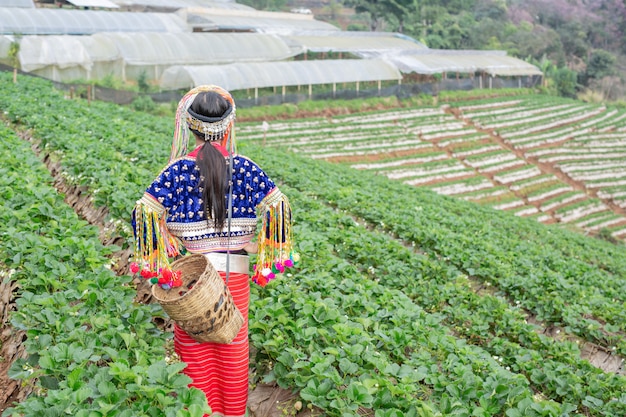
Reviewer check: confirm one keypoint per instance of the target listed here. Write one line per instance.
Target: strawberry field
(410, 299)
(551, 159)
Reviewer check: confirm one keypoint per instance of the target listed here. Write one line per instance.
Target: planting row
(559, 289)
(441, 148)
(99, 117)
(475, 242)
(91, 350)
(485, 321)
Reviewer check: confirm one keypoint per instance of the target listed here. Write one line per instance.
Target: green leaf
(359, 394)
(79, 396)
(106, 388)
(74, 379)
(592, 402)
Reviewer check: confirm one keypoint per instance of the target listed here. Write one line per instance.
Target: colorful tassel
(154, 245)
(275, 242)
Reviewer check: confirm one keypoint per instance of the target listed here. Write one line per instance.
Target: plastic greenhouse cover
(150, 49)
(18, 3)
(433, 62)
(45, 21)
(181, 4)
(269, 74)
(94, 3)
(65, 51)
(62, 53)
(198, 48)
(362, 42)
(255, 20)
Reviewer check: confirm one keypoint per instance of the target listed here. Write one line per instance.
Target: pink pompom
(134, 267)
(279, 267)
(288, 263)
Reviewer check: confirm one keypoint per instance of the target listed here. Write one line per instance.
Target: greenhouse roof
(253, 20)
(199, 48)
(432, 61)
(151, 48)
(182, 4)
(47, 21)
(18, 3)
(94, 3)
(359, 43)
(241, 76)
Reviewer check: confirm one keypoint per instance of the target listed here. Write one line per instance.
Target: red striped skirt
(221, 370)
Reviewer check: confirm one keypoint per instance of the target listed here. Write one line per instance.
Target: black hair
(214, 175)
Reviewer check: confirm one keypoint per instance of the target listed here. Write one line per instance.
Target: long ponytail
(209, 106)
(214, 181)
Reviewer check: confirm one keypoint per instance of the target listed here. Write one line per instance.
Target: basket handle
(230, 212)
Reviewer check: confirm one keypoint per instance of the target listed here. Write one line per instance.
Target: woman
(187, 204)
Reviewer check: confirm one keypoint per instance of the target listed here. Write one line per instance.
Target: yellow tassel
(275, 241)
(153, 242)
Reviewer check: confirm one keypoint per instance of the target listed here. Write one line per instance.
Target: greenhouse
(18, 3)
(107, 4)
(127, 56)
(240, 46)
(172, 5)
(204, 19)
(241, 76)
(358, 43)
(46, 21)
(431, 61)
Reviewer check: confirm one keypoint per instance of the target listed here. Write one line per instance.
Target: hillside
(406, 302)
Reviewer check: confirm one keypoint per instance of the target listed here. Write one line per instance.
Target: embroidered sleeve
(154, 244)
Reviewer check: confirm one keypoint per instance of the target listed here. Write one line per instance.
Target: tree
(333, 9)
(565, 82)
(574, 39)
(492, 9)
(385, 10)
(401, 9)
(535, 41)
(374, 8)
(601, 64)
(446, 34)
(13, 54)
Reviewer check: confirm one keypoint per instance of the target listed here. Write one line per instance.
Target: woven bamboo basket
(203, 306)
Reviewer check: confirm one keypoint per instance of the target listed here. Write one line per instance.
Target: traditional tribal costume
(171, 213)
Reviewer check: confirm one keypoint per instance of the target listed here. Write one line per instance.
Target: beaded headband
(213, 128)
